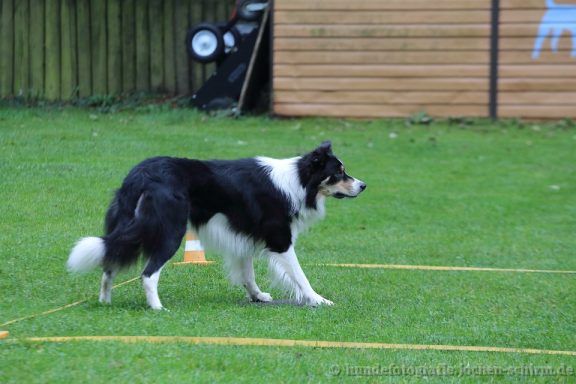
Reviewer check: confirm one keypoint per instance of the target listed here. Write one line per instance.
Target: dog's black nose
(363, 186)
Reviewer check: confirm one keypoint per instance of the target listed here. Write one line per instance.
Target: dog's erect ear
(319, 154)
(326, 146)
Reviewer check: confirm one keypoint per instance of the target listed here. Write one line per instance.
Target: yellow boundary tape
(367, 266)
(241, 341)
(62, 307)
(429, 268)
(443, 268)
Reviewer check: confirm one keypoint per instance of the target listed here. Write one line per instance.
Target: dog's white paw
(317, 300)
(261, 297)
(159, 308)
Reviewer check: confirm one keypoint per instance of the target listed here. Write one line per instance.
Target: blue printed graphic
(557, 19)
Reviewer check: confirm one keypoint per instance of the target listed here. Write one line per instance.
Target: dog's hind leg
(150, 283)
(159, 252)
(164, 215)
(249, 281)
(288, 271)
(106, 286)
(157, 260)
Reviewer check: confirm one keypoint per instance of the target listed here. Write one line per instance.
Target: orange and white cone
(193, 250)
(3, 334)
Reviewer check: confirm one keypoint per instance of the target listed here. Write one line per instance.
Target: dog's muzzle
(358, 187)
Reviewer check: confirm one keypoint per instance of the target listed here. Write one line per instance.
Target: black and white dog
(240, 208)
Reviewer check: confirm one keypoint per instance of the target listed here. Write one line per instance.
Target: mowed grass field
(480, 195)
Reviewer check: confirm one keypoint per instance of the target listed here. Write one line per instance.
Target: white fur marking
(284, 175)
(106, 287)
(151, 288)
(138, 210)
(86, 255)
(357, 187)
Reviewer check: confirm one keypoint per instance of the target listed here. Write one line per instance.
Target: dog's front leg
(249, 282)
(287, 269)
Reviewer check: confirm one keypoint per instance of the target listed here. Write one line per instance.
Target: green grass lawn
(483, 195)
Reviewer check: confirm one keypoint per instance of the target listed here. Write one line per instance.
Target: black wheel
(231, 40)
(250, 10)
(205, 43)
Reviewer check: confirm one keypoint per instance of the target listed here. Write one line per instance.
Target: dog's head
(324, 172)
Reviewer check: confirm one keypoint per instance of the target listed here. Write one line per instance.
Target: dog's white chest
(218, 236)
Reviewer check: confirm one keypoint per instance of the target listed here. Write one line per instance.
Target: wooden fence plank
(128, 46)
(377, 84)
(390, 17)
(37, 50)
(181, 14)
(519, 30)
(156, 46)
(522, 16)
(402, 57)
(222, 11)
(536, 111)
(21, 48)
(546, 56)
(69, 78)
(7, 49)
(378, 110)
(527, 44)
(537, 70)
(53, 55)
(529, 4)
(537, 85)
(99, 54)
(404, 31)
(170, 46)
(84, 48)
(538, 98)
(380, 5)
(114, 49)
(379, 44)
(382, 97)
(142, 46)
(380, 70)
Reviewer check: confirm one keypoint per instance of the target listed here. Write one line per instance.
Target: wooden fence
(376, 58)
(63, 49)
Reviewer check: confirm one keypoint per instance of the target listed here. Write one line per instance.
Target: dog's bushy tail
(87, 254)
(119, 248)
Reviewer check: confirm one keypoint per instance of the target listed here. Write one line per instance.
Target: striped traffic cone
(4, 334)
(193, 250)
